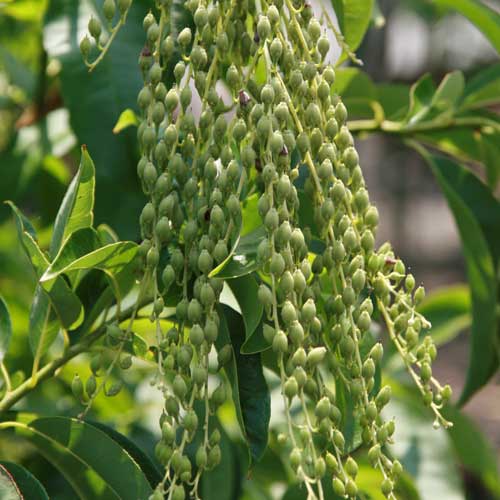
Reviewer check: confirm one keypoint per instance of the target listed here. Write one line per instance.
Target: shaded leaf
(93, 463)
(5, 329)
(148, 467)
(243, 260)
(475, 212)
(27, 484)
(249, 388)
(8, 487)
(245, 290)
(483, 89)
(64, 301)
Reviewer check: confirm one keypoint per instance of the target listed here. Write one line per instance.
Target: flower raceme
(280, 131)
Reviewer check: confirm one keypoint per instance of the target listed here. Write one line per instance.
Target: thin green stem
(49, 369)
(6, 377)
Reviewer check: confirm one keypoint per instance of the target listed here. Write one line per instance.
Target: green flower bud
(291, 388)
(387, 486)
(280, 342)
(316, 356)
(275, 50)
(184, 37)
(233, 77)
(323, 46)
(77, 387)
(338, 487)
(94, 27)
(85, 47)
(179, 387)
(383, 396)
(123, 6)
(196, 335)
(263, 28)
(308, 311)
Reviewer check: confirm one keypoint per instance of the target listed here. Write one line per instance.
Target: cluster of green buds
(107, 360)
(114, 15)
(278, 131)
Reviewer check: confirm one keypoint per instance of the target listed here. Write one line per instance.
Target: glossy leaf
(449, 311)
(8, 487)
(27, 485)
(5, 329)
(148, 467)
(64, 301)
(354, 18)
(79, 253)
(483, 17)
(76, 211)
(475, 212)
(93, 463)
(249, 388)
(245, 290)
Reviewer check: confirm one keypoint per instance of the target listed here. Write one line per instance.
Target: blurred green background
(50, 105)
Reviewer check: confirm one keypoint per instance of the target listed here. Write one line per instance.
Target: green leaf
(64, 301)
(5, 329)
(483, 17)
(44, 326)
(243, 260)
(8, 487)
(352, 83)
(473, 450)
(79, 253)
(421, 97)
(350, 425)
(483, 89)
(354, 18)
(76, 211)
(27, 484)
(449, 92)
(463, 190)
(95, 101)
(394, 99)
(249, 388)
(127, 119)
(245, 290)
(148, 467)
(449, 311)
(93, 463)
